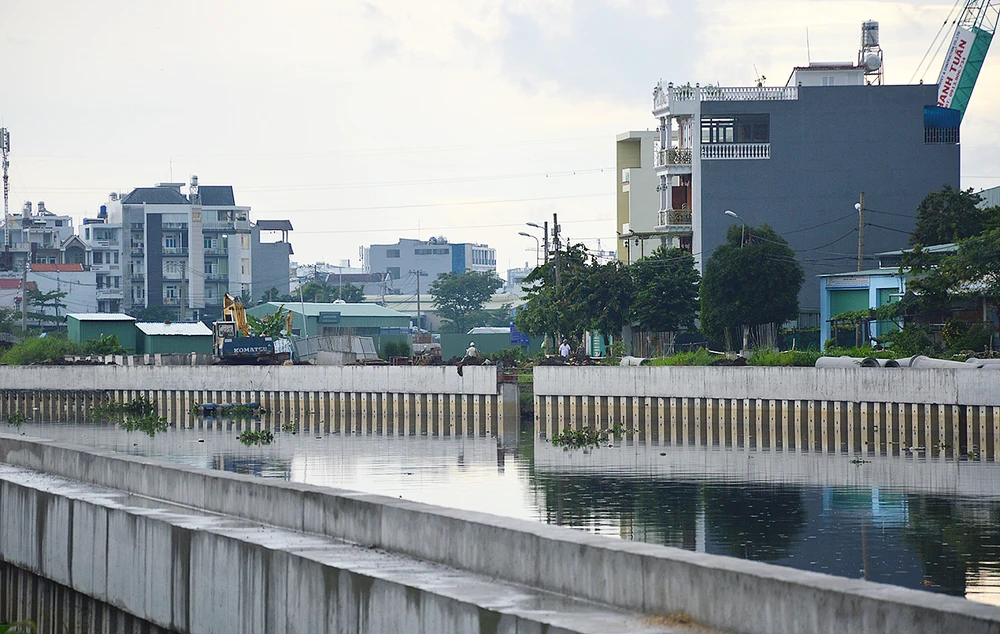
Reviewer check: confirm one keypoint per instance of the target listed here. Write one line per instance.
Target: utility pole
(418, 273)
(180, 311)
(555, 245)
(24, 294)
(861, 229)
(546, 260)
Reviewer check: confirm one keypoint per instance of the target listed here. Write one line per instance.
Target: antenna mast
(5, 149)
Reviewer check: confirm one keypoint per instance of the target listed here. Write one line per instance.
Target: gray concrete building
(432, 257)
(270, 253)
(798, 157)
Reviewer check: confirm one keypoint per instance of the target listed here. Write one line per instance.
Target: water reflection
(931, 523)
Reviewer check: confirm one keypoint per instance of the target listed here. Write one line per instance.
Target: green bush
(105, 344)
(862, 352)
(39, 350)
(913, 339)
(797, 358)
(699, 356)
(396, 349)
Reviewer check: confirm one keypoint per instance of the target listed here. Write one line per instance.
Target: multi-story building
(798, 157)
(36, 236)
(432, 257)
(637, 192)
(186, 251)
(99, 248)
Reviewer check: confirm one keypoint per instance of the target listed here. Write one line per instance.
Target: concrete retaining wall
(405, 380)
(858, 385)
(732, 594)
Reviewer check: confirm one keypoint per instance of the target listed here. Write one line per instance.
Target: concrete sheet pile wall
(865, 410)
(857, 385)
(732, 594)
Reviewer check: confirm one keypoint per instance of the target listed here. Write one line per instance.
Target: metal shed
(87, 326)
(182, 338)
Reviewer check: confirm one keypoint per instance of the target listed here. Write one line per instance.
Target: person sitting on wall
(471, 357)
(471, 351)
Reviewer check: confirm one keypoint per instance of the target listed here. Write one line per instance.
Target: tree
(154, 313)
(350, 293)
(751, 283)
(605, 294)
(951, 215)
(666, 292)
(271, 295)
(972, 271)
(550, 309)
(459, 297)
(44, 301)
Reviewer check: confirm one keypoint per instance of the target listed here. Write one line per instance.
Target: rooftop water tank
(869, 34)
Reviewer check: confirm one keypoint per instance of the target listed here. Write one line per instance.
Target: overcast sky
(363, 122)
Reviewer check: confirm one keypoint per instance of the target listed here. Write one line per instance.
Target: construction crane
(974, 30)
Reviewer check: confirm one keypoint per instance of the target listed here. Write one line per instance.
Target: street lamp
(528, 235)
(732, 214)
(545, 230)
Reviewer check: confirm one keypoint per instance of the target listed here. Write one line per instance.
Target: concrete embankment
(829, 409)
(635, 578)
(361, 399)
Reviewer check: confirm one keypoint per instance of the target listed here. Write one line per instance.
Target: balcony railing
(675, 218)
(941, 136)
(216, 277)
(109, 293)
(673, 156)
(171, 301)
(175, 225)
(175, 250)
(217, 252)
(736, 151)
(665, 95)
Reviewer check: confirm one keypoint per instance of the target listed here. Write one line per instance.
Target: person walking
(564, 349)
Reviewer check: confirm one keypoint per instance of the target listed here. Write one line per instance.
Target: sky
(365, 122)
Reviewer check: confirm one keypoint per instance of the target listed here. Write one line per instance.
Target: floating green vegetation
(139, 406)
(256, 437)
(15, 419)
(150, 424)
(586, 438)
(138, 414)
(289, 427)
(18, 627)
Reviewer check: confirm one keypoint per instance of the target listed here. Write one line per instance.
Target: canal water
(914, 520)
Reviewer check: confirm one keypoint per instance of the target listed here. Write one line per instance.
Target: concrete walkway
(193, 571)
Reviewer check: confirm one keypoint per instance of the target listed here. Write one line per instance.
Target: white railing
(736, 151)
(664, 95)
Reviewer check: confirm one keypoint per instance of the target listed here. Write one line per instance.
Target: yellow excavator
(233, 343)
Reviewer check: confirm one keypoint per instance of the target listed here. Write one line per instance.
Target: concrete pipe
(888, 363)
(846, 362)
(942, 364)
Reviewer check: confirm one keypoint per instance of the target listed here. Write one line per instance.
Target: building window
(392, 253)
(423, 251)
(208, 243)
(830, 80)
(171, 292)
(98, 257)
(393, 272)
(743, 128)
(86, 233)
(170, 242)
